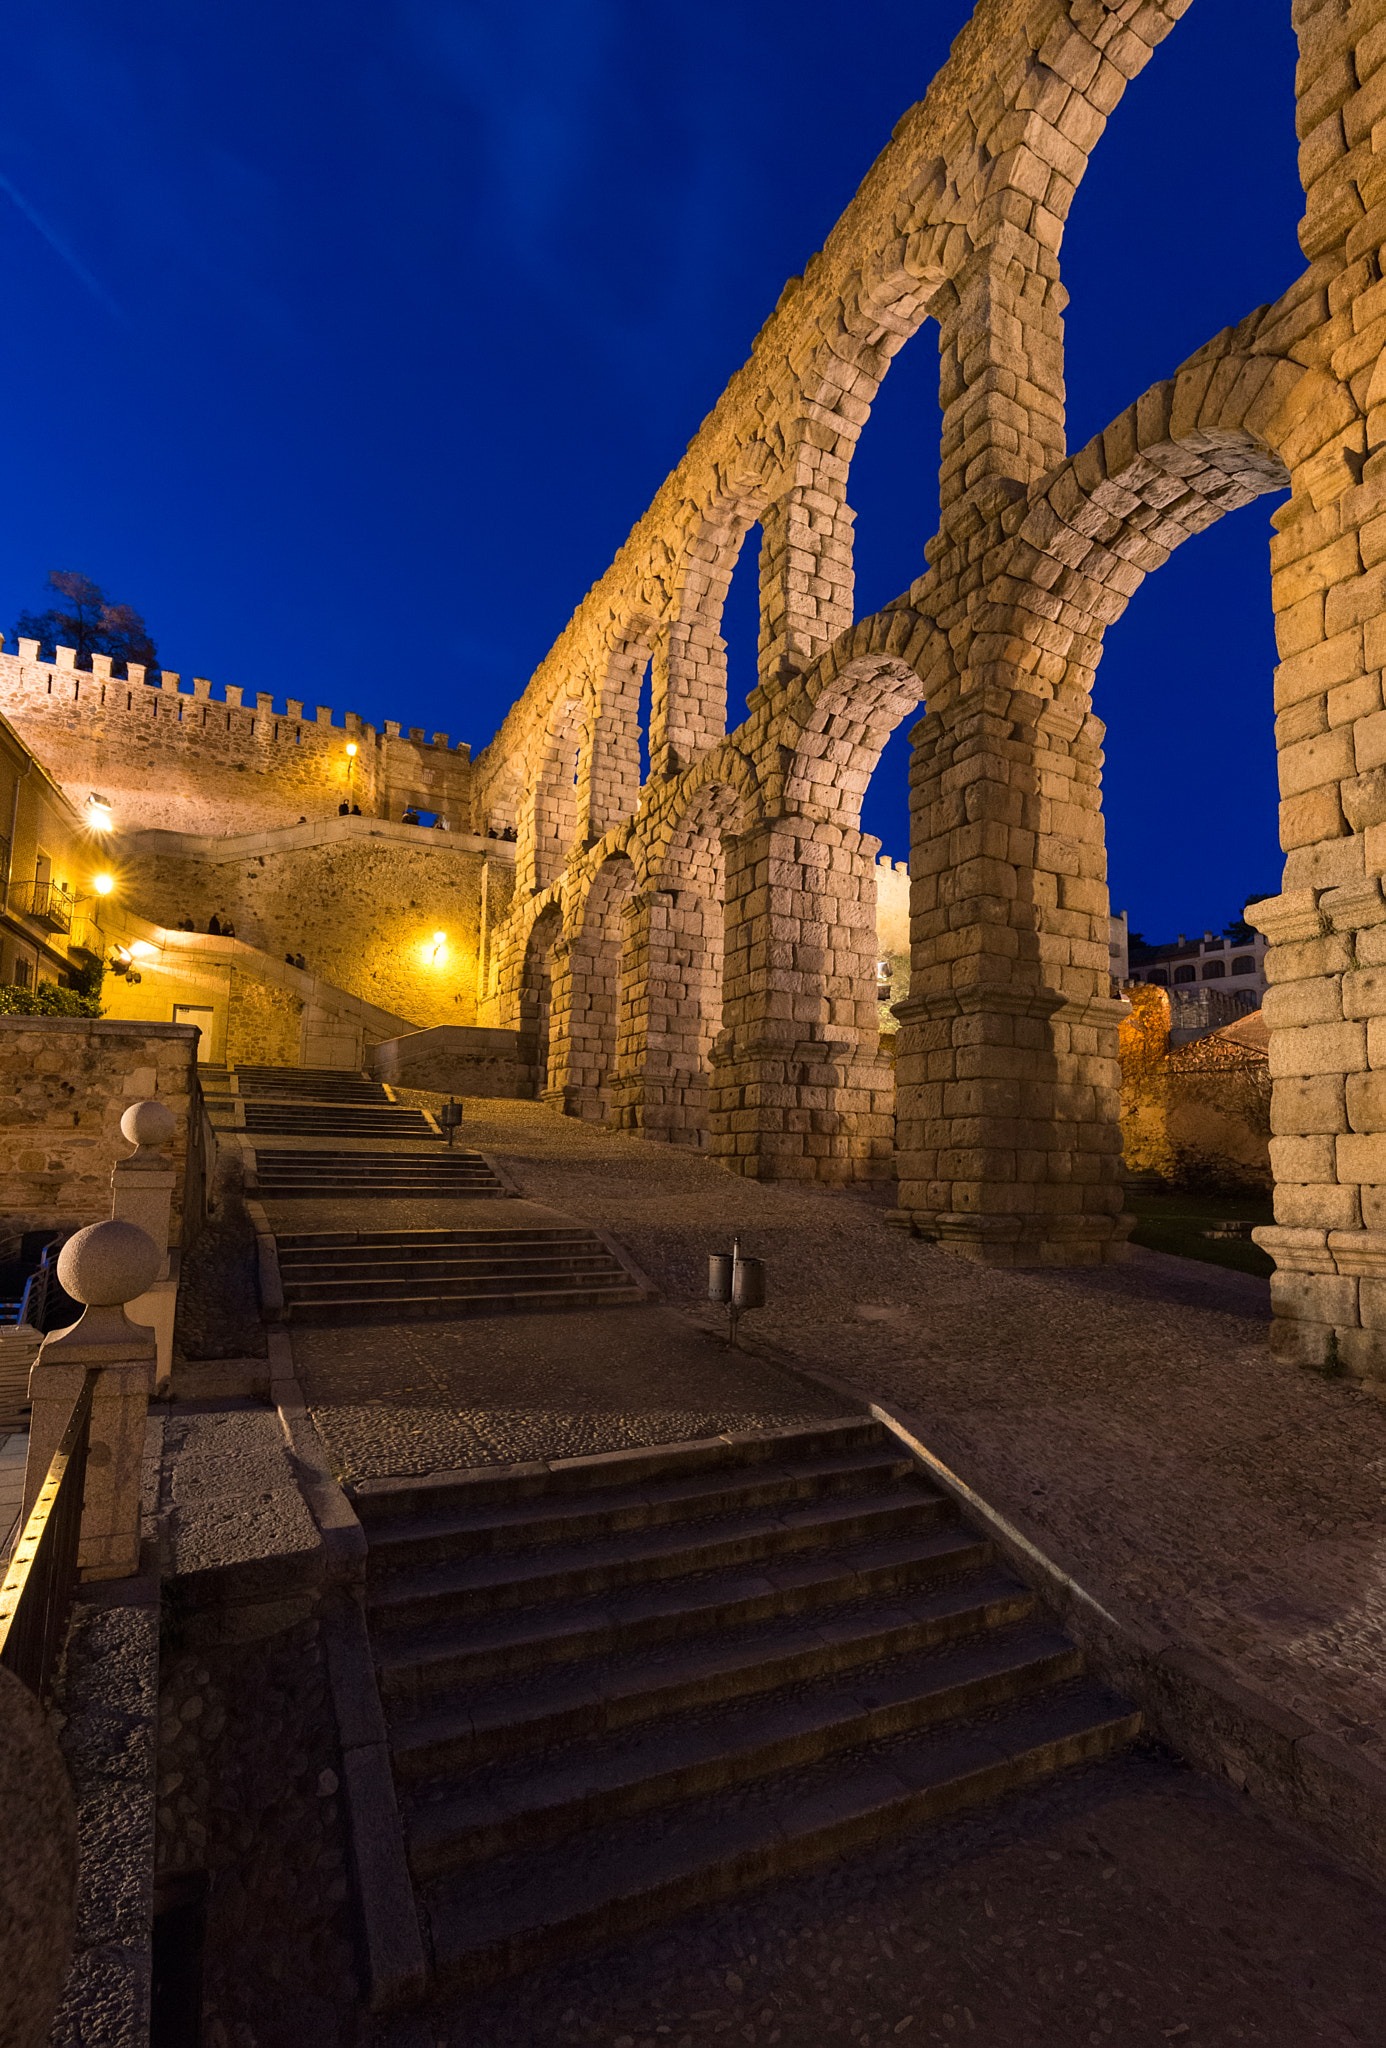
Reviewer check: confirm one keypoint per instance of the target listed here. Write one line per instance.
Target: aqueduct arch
(1006, 1142)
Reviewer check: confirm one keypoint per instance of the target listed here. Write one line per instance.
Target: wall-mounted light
(440, 940)
(99, 810)
(103, 884)
(351, 750)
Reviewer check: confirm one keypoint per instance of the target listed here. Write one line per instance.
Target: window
(1244, 963)
(1213, 970)
(1184, 974)
(1158, 978)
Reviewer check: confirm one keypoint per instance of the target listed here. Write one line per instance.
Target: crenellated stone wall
(185, 760)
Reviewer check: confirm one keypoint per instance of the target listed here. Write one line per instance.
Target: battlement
(99, 689)
(194, 759)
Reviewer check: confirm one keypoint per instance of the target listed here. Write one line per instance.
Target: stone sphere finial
(149, 1125)
(108, 1264)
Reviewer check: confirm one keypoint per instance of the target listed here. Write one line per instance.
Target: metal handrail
(36, 1598)
(47, 904)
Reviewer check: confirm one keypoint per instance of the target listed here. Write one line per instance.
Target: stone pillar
(671, 967)
(558, 1090)
(142, 1193)
(1326, 1004)
(104, 1266)
(800, 1090)
(805, 572)
(1008, 1084)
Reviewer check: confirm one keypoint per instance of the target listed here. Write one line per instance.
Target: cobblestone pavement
(495, 1390)
(1134, 1903)
(218, 1296)
(247, 1790)
(1257, 1527)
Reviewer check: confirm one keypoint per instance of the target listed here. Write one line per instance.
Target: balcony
(85, 935)
(46, 904)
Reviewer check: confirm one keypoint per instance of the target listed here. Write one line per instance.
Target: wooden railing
(36, 1598)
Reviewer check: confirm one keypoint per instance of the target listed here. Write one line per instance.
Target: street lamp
(103, 884)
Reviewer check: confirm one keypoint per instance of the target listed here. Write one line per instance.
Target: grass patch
(1176, 1223)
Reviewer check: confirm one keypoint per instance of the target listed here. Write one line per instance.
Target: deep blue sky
(348, 340)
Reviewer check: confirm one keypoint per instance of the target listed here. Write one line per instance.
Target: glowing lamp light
(142, 949)
(351, 750)
(99, 808)
(103, 884)
(440, 940)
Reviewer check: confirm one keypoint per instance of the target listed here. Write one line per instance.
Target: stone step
(511, 1912)
(500, 1579)
(445, 1283)
(380, 1500)
(274, 1120)
(448, 1307)
(607, 1695)
(417, 1663)
(366, 1242)
(307, 1270)
(468, 1530)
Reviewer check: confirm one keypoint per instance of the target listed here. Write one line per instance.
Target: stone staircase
(427, 1176)
(314, 1102)
(308, 1084)
(621, 1687)
(335, 1120)
(393, 1275)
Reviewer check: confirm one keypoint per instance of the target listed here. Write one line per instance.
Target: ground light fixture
(122, 964)
(737, 1283)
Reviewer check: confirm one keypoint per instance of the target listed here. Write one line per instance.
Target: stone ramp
(617, 1688)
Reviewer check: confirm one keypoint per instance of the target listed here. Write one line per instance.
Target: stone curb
(267, 1256)
(1193, 1701)
(343, 1538)
(627, 1264)
(396, 1963)
(508, 1184)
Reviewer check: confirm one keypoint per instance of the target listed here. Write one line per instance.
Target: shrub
(48, 1000)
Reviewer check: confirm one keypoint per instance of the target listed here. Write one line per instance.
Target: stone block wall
(264, 1026)
(362, 913)
(65, 1083)
(457, 1059)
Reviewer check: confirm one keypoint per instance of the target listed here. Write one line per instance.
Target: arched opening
(689, 708)
(594, 1003)
(740, 623)
(536, 995)
(893, 490)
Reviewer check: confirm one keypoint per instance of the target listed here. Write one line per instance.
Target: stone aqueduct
(700, 952)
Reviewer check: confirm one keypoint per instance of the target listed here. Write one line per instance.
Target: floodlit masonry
(696, 957)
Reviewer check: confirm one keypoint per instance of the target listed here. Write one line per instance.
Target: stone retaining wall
(65, 1083)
